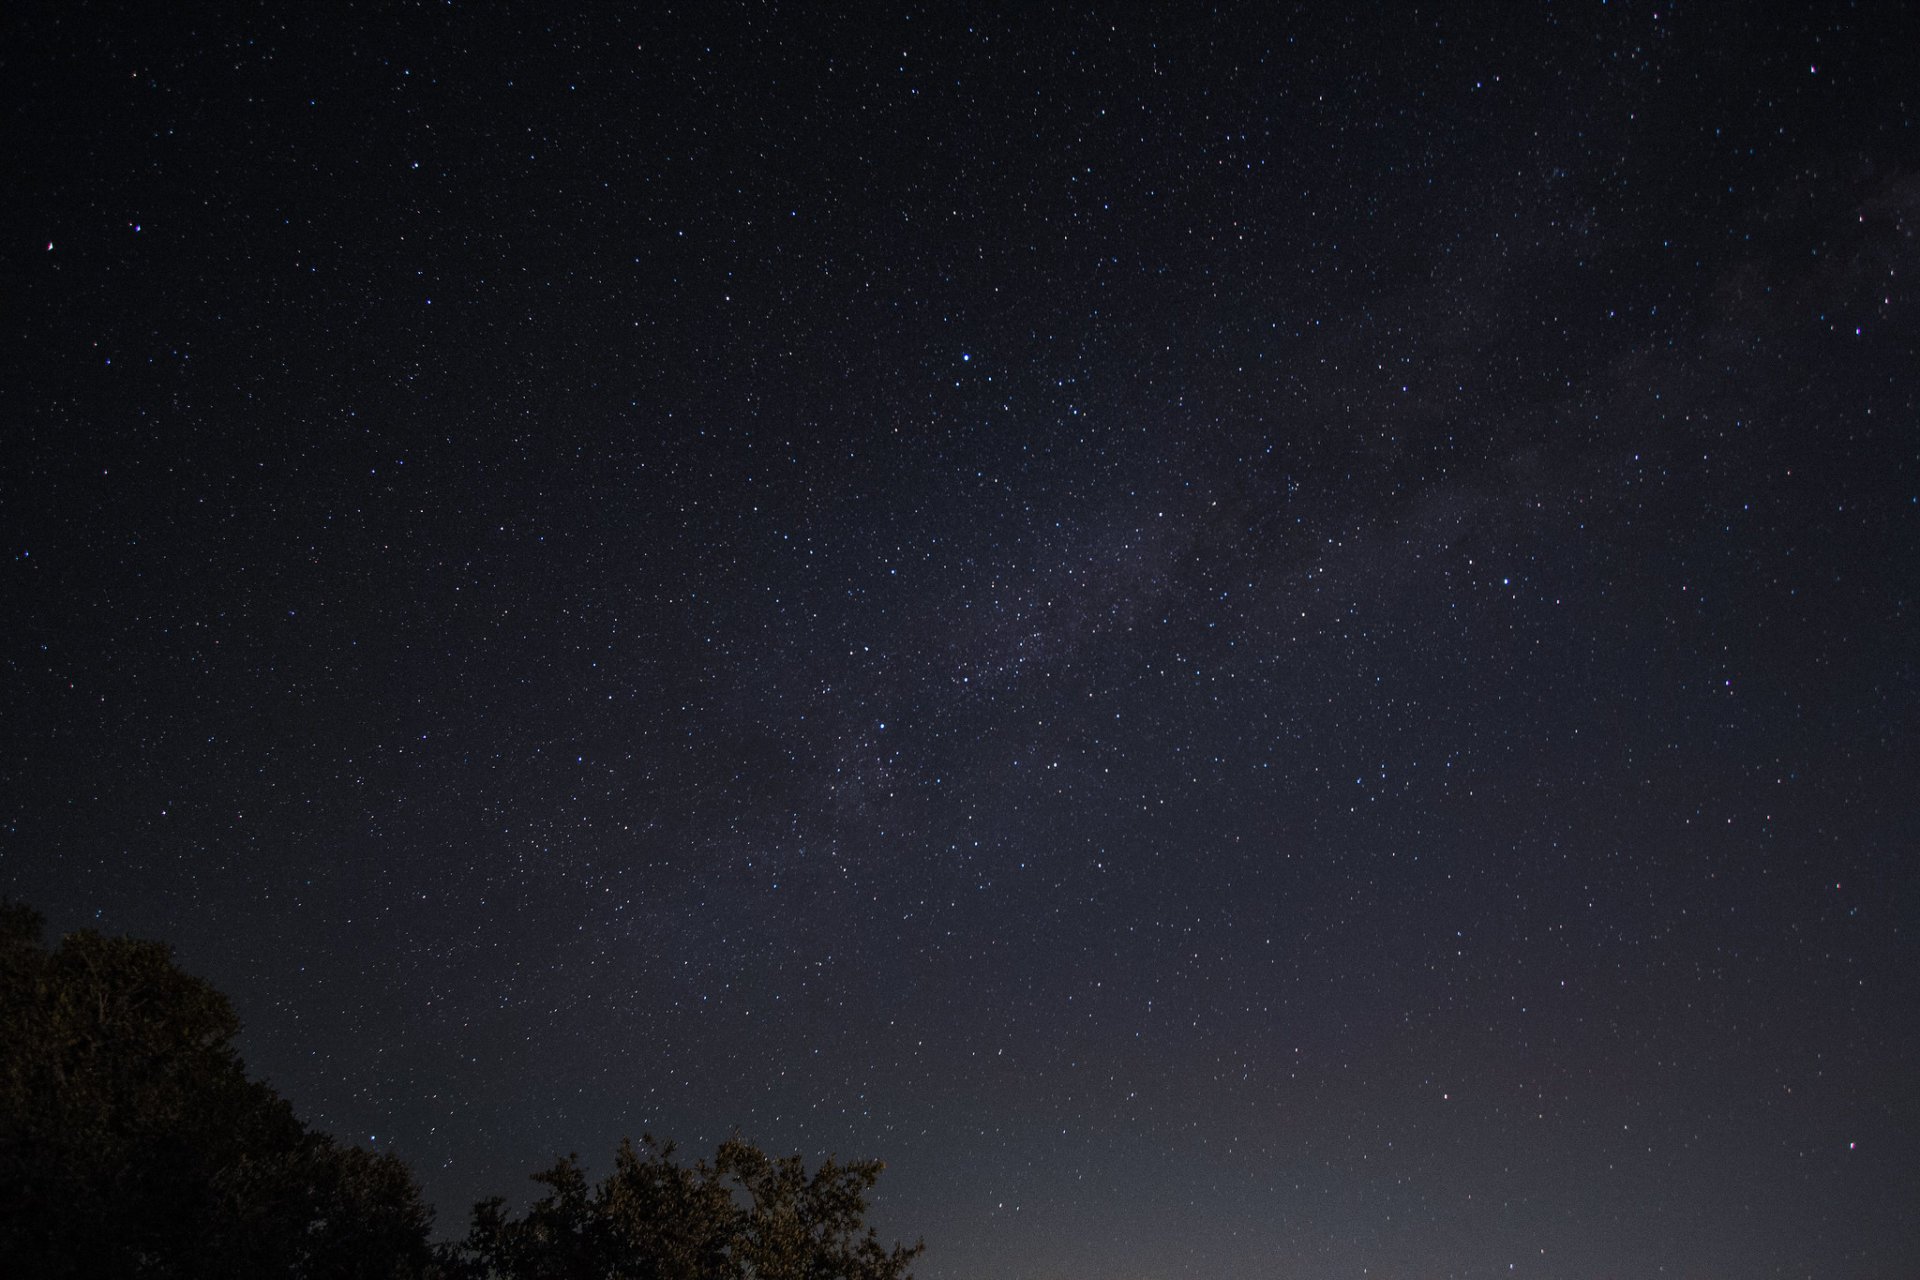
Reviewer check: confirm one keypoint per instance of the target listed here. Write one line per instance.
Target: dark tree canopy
(132, 1142)
(742, 1216)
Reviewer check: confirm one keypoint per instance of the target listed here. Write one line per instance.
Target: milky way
(1248, 645)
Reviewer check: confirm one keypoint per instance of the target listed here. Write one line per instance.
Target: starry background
(1250, 643)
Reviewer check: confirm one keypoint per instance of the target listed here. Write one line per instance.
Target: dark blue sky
(1270, 643)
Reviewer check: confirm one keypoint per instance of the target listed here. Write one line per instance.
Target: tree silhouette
(132, 1142)
(744, 1216)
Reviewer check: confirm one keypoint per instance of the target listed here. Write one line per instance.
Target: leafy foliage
(132, 1142)
(744, 1216)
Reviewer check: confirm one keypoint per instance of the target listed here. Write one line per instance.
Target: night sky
(1264, 643)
